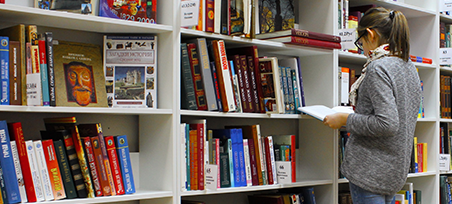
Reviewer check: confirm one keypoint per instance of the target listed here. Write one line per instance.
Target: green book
(225, 180)
(417, 196)
(65, 170)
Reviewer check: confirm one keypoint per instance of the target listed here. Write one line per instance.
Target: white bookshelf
(154, 134)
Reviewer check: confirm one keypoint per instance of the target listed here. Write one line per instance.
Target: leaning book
(130, 64)
(320, 111)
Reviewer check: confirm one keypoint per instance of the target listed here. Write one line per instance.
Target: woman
(386, 98)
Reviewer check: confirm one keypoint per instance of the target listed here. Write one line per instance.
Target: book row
(239, 81)
(70, 161)
(408, 195)
(38, 70)
(445, 96)
(236, 156)
(445, 189)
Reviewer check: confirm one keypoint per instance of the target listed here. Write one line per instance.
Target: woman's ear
(371, 34)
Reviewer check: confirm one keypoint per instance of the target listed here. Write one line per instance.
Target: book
(265, 199)
(142, 10)
(307, 42)
(42, 169)
(198, 85)
(289, 140)
(7, 161)
(224, 76)
(72, 60)
(300, 33)
(131, 71)
(17, 167)
(2, 187)
(15, 95)
(44, 73)
(54, 170)
(320, 111)
(65, 169)
(37, 181)
(276, 15)
(122, 147)
(87, 7)
(34, 84)
(194, 151)
(48, 37)
(114, 164)
(309, 195)
(98, 158)
(200, 149)
(271, 85)
(188, 98)
(4, 68)
(92, 165)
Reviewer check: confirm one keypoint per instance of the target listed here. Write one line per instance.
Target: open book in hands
(320, 111)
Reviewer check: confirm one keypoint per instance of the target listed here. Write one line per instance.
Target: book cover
(17, 33)
(197, 78)
(114, 163)
(300, 33)
(237, 19)
(210, 16)
(188, 98)
(98, 158)
(225, 180)
(42, 168)
(79, 75)
(241, 84)
(18, 168)
(54, 170)
(276, 15)
(92, 165)
(44, 73)
(65, 169)
(122, 147)
(4, 68)
(16, 134)
(15, 95)
(271, 85)
(87, 7)
(2, 187)
(224, 77)
(307, 42)
(48, 37)
(320, 111)
(37, 181)
(131, 71)
(141, 10)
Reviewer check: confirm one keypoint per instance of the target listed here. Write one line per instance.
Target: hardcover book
(92, 165)
(140, 10)
(35, 171)
(130, 64)
(54, 170)
(20, 178)
(15, 90)
(98, 158)
(114, 164)
(4, 68)
(44, 73)
(7, 161)
(42, 168)
(79, 75)
(300, 33)
(122, 147)
(224, 76)
(65, 170)
(188, 98)
(88, 7)
(48, 37)
(276, 15)
(307, 42)
(197, 77)
(271, 85)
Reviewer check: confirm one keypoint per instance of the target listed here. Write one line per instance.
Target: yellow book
(415, 155)
(424, 158)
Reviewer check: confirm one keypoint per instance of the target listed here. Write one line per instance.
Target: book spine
(103, 147)
(187, 153)
(197, 78)
(232, 171)
(315, 35)
(189, 101)
(206, 74)
(224, 17)
(82, 162)
(247, 84)
(201, 148)
(210, 4)
(65, 170)
(53, 170)
(100, 165)
(235, 89)
(7, 161)
(16, 132)
(314, 43)
(254, 88)
(75, 166)
(17, 167)
(217, 16)
(223, 72)
(291, 90)
(42, 168)
(3, 199)
(115, 169)
(272, 158)
(253, 162)
(268, 161)
(92, 166)
(256, 128)
(236, 158)
(217, 160)
(50, 67)
(184, 163)
(217, 89)
(225, 180)
(44, 73)
(246, 154)
(193, 134)
(15, 85)
(125, 164)
(34, 170)
(284, 87)
(241, 83)
(242, 166)
(4, 68)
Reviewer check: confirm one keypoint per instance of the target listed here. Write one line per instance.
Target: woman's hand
(336, 120)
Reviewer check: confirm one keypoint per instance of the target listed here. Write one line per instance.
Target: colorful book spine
(210, 4)
(44, 73)
(193, 143)
(253, 164)
(54, 170)
(223, 72)
(313, 43)
(241, 84)
(217, 89)
(4, 68)
(197, 78)
(254, 85)
(225, 180)
(83, 163)
(125, 164)
(246, 154)
(92, 165)
(105, 185)
(206, 74)
(3, 199)
(201, 138)
(187, 153)
(20, 178)
(34, 170)
(232, 171)
(18, 136)
(7, 161)
(235, 89)
(50, 67)
(114, 163)
(42, 168)
(65, 170)
(189, 98)
(15, 85)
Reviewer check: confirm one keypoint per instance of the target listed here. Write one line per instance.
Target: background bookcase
(154, 134)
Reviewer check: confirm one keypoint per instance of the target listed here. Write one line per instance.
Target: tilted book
(114, 164)
(300, 33)
(20, 178)
(65, 170)
(42, 168)
(92, 165)
(122, 147)
(130, 64)
(35, 170)
(79, 74)
(197, 78)
(54, 169)
(7, 161)
(224, 76)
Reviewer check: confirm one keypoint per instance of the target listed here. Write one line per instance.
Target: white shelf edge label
(348, 37)
(189, 12)
(445, 56)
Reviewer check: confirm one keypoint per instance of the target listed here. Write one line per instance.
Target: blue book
(4, 67)
(231, 163)
(308, 194)
(187, 153)
(44, 73)
(122, 147)
(238, 137)
(7, 163)
(215, 84)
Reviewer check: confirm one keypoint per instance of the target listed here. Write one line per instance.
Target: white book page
(320, 111)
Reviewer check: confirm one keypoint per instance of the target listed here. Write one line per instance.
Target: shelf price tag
(444, 162)
(211, 177)
(189, 12)
(348, 37)
(445, 56)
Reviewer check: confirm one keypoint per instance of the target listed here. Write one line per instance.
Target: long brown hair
(392, 28)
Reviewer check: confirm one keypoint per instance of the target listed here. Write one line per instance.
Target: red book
(307, 42)
(254, 90)
(253, 163)
(15, 131)
(209, 16)
(200, 150)
(54, 169)
(241, 80)
(300, 33)
(268, 161)
(98, 158)
(419, 157)
(2, 1)
(114, 164)
(197, 78)
(217, 159)
(92, 166)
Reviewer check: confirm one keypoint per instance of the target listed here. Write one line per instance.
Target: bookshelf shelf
(125, 111)
(418, 9)
(239, 115)
(139, 195)
(423, 174)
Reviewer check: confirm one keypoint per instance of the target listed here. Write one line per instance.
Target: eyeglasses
(359, 44)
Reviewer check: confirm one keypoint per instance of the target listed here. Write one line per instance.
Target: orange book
(105, 185)
(193, 139)
(114, 164)
(54, 170)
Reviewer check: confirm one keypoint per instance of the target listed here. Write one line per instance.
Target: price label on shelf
(189, 12)
(444, 162)
(348, 37)
(445, 56)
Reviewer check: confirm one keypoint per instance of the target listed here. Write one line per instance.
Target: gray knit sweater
(378, 152)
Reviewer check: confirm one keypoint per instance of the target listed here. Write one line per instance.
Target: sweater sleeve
(383, 119)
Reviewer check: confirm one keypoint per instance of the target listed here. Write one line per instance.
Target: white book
(183, 162)
(20, 178)
(320, 111)
(225, 77)
(42, 167)
(278, 100)
(217, 18)
(34, 170)
(261, 153)
(345, 81)
(246, 152)
(272, 159)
